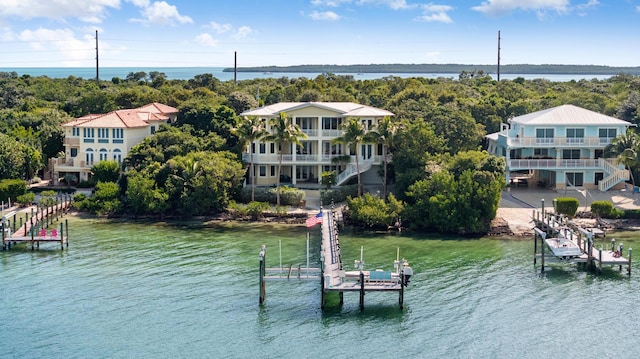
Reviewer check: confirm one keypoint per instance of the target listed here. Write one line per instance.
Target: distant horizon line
(315, 65)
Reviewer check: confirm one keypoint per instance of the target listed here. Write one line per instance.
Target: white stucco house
(560, 147)
(93, 138)
(321, 122)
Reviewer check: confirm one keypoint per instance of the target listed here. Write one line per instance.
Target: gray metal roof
(567, 115)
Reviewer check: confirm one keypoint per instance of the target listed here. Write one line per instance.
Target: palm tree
(384, 133)
(354, 133)
(282, 131)
(626, 147)
(250, 130)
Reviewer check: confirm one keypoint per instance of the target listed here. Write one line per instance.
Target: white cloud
(88, 11)
(161, 13)
(582, 9)
(326, 15)
(206, 39)
(140, 3)
(502, 7)
(393, 4)
(436, 13)
(329, 3)
(243, 32)
(74, 51)
(219, 28)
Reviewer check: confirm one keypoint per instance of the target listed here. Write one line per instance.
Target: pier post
(322, 294)
(542, 254)
(629, 268)
(361, 290)
(62, 238)
(535, 246)
(3, 235)
(401, 297)
(600, 259)
(263, 253)
(66, 230)
(32, 234)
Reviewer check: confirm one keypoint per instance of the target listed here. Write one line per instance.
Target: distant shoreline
(446, 68)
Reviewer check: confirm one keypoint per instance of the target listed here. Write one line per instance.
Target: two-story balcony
(70, 164)
(555, 142)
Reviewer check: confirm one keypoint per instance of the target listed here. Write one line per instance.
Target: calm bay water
(136, 290)
(186, 73)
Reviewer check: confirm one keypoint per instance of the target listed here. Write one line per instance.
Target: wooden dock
(38, 226)
(332, 276)
(551, 224)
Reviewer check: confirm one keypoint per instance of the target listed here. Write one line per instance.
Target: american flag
(313, 220)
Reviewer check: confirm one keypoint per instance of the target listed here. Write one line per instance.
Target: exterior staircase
(616, 175)
(351, 170)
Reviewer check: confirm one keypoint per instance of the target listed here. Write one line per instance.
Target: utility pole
(498, 55)
(235, 67)
(97, 66)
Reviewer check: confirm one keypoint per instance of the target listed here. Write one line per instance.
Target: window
(103, 135)
(262, 171)
(305, 123)
(571, 154)
(263, 148)
(544, 136)
(118, 135)
(575, 179)
(89, 157)
(273, 170)
(607, 135)
(75, 132)
(103, 154)
(272, 148)
(74, 152)
(575, 135)
(541, 152)
(88, 134)
(153, 129)
(331, 123)
(117, 156)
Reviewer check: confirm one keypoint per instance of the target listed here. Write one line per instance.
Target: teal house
(560, 147)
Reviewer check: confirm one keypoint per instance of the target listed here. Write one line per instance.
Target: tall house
(93, 138)
(321, 122)
(560, 147)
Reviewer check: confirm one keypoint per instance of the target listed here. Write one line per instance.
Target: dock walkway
(37, 227)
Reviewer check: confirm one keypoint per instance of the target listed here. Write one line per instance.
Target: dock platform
(37, 228)
(550, 225)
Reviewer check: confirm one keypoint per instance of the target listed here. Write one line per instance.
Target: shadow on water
(569, 272)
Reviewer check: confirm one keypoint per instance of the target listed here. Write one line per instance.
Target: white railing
(351, 170)
(613, 179)
(534, 164)
(559, 141)
(608, 165)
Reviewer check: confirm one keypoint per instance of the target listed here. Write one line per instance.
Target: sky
(207, 33)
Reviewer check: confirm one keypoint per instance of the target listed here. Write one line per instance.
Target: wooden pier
(549, 225)
(332, 276)
(38, 226)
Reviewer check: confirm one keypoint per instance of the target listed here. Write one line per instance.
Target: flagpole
(307, 254)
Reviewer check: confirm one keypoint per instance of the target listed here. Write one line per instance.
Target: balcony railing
(71, 141)
(559, 141)
(536, 164)
(290, 158)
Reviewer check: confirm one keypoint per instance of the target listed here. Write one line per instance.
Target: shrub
(236, 209)
(631, 214)
(373, 212)
(47, 198)
(567, 206)
(12, 188)
(602, 208)
(289, 196)
(26, 199)
(255, 209)
(339, 194)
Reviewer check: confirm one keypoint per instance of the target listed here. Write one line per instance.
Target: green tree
(144, 196)
(106, 171)
(385, 133)
(283, 132)
(354, 133)
(250, 130)
(626, 148)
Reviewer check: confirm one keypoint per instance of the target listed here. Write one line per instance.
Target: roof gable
(344, 109)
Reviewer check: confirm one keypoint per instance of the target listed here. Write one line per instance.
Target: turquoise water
(137, 290)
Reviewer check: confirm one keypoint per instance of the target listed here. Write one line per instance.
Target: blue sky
(190, 33)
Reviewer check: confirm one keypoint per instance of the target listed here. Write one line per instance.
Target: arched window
(117, 155)
(89, 157)
(103, 154)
